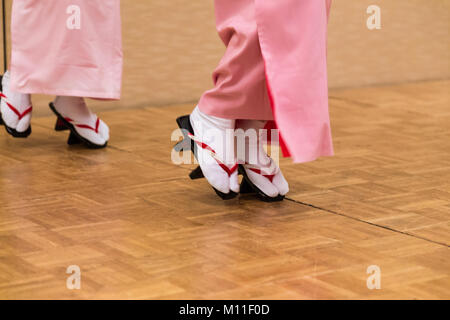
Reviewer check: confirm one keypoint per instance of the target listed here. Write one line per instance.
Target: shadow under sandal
(191, 142)
(65, 123)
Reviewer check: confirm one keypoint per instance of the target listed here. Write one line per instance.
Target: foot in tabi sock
(212, 141)
(85, 127)
(261, 174)
(15, 110)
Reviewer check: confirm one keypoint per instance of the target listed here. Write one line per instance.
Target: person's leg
(215, 150)
(83, 122)
(261, 172)
(74, 60)
(240, 92)
(15, 110)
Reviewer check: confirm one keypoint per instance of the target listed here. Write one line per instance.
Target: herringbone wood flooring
(139, 228)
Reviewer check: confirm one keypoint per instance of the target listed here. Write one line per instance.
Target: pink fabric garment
(275, 68)
(240, 90)
(67, 48)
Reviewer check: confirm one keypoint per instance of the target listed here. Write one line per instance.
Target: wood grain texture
(139, 228)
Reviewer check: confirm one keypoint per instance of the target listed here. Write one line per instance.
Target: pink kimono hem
(67, 48)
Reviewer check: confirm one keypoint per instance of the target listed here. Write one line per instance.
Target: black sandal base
(184, 124)
(15, 133)
(11, 131)
(74, 137)
(247, 186)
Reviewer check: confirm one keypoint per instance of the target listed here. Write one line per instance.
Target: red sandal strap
(228, 170)
(267, 172)
(268, 176)
(85, 126)
(201, 144)
(17, 112)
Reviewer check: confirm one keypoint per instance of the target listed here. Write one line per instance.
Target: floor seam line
(367, 222)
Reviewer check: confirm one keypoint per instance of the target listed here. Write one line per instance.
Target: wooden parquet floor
(139, 228)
